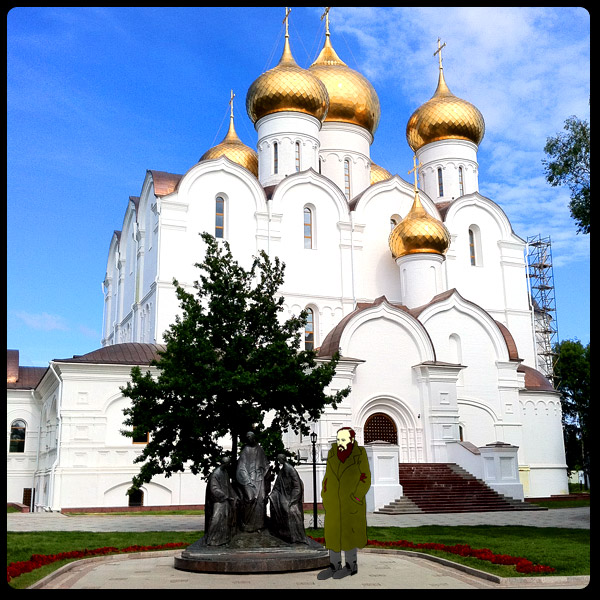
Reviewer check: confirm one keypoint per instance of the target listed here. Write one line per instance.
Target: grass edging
(539, 579)
(93, 559)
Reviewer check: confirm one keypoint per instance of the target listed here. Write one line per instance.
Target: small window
(309, 330)
(297, 156)
(275, 158)
(440, 183)
(461, 189)
(320, 163)
(136, 498)
(139, 436)
(220, 217)
(475, 246)
(17, 436)
(308, 227)
(347, 179)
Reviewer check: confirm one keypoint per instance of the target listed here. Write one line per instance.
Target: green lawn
(567, 550)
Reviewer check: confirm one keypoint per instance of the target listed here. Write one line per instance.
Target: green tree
(572, 372)
(569, 164)
(229, 360)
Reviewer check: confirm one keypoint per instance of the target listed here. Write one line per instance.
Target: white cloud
(42, 321)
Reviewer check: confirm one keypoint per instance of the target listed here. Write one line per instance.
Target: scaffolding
(540, 277)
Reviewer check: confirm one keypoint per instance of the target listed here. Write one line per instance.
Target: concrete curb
(506, 582)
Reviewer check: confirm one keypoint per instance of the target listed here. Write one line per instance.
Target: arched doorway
(380, 427)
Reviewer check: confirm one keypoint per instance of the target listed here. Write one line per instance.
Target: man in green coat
(346, 482)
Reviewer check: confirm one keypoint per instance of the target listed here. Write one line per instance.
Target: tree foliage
(569, 164)
(230, 359)
(572, 371)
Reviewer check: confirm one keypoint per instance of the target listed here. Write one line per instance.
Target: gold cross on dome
(326, 15)
(231, 102)
(286, 19)
(414, 170)
(439, 51)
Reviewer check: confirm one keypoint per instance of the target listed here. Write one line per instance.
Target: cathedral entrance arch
(391, 420)
(380, 427)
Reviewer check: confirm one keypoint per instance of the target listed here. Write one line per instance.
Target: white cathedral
(423, 291)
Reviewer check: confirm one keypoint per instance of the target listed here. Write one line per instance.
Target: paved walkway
(572, 518)
(378, 569)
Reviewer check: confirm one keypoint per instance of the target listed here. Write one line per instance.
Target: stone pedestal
(501, 469)
(385, 484)
(258, 552)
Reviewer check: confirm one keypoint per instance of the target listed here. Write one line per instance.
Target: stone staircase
(446, 488)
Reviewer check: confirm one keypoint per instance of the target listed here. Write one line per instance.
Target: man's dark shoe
(330, 571)
(347, 570)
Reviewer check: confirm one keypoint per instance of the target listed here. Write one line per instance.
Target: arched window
(320, 164)
(475, 246)
(461, 187)
(308, 227)
(17, 436)
(440, 183)
(347, 178)
(220, 217)
(136, 498)
(275, 158)
(380, 427)
(297, 156)
(309, 330)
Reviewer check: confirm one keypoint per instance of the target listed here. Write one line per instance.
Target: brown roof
(12, 366)
(534, 380)
(21, 378)
(164, 183)
(331, 344)
(118, 354)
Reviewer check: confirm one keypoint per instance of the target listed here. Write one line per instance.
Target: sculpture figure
(219, 507)
(346, 482)
(287, 516)
(252, 475)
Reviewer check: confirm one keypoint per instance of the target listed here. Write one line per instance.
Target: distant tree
(572, 372)
(569, 164)
(229, 360)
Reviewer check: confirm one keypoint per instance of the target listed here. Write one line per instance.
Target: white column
(457, 160)
(286, 129)
(346, 141)
(421, 278)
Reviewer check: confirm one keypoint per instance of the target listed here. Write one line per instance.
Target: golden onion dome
(379, 173)
(444, 117)
(352, 98)
(419, 232)
(234, 149)
(287, 87)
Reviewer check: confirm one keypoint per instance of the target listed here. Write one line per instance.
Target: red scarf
(344, 454)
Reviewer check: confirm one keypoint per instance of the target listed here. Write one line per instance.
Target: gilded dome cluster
(328, 90)
(352, 98)
(419, 232)
(444, 117)
(287, 87)
(235, 150)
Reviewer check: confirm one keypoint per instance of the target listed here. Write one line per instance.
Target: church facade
(422, 290)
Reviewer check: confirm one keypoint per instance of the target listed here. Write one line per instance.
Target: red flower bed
(38, 560)
(522, 565)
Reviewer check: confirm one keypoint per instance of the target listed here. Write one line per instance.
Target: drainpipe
(37, 459)
(352, 258)
(58, 438)
(269, 228)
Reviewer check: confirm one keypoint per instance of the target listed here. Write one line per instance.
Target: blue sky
(96, 96)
